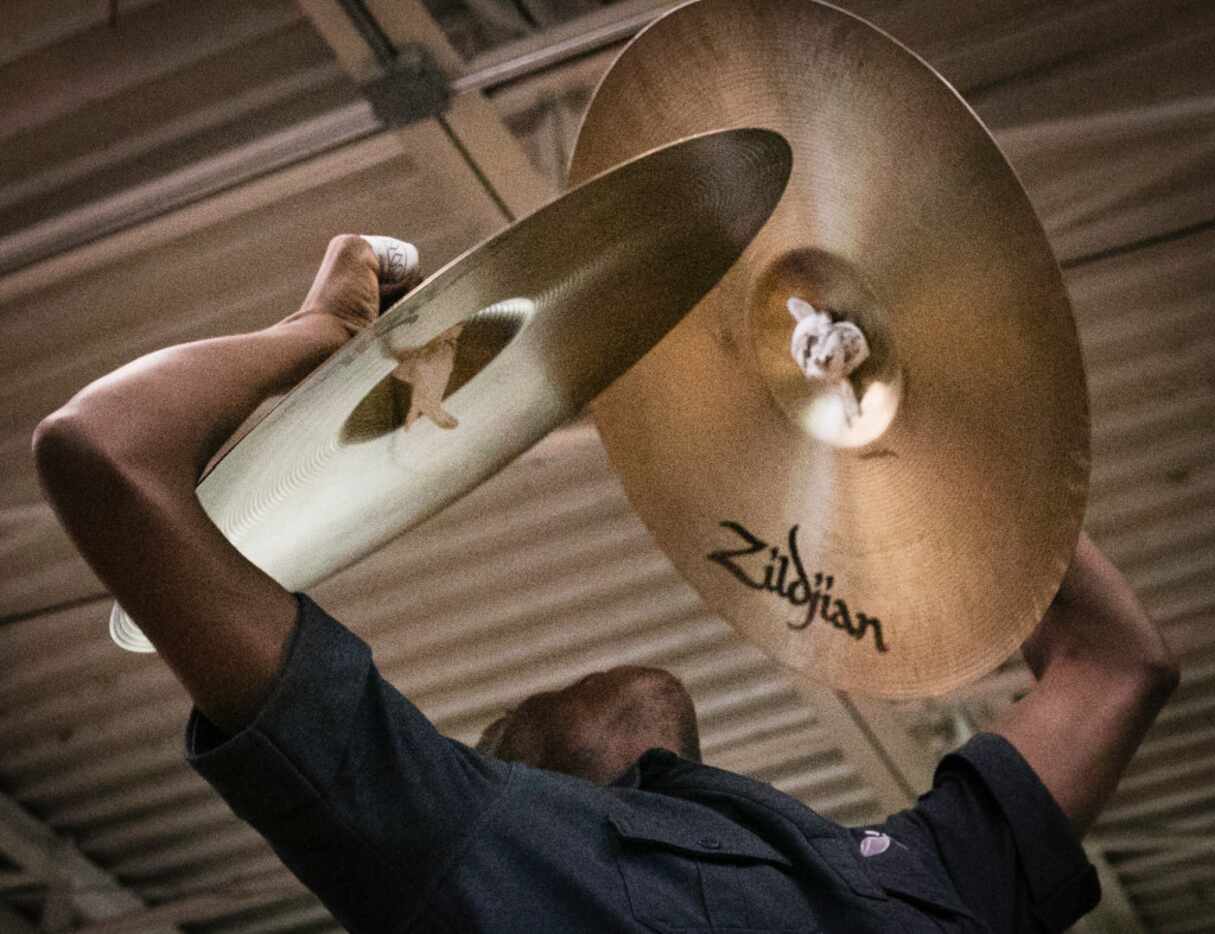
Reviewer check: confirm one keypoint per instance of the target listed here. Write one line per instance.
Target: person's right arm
(119, 463)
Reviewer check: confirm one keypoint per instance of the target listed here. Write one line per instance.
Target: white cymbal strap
(827, 351)
(398, 259)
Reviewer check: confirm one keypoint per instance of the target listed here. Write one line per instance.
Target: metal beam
(560, 44)
(252, 890)
(894, 782)
(1114, 914)
(470, 121)
(138, 144)
(178, 221)
(13, 923)
(193, 908)
(77, 68)
(1153, 840)
(206, 177)
(95, 895)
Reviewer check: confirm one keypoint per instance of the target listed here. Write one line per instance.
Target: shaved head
(598, 726)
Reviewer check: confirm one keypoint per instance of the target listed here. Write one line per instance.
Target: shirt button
(709, 843)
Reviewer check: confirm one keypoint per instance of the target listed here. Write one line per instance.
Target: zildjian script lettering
(802, 590)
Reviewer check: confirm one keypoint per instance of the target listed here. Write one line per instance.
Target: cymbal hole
(485, 334)
(831, 284)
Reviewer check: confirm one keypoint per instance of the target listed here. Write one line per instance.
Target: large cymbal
(553, 309)
(909, 549)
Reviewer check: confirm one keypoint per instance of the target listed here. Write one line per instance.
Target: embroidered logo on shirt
(874, 843)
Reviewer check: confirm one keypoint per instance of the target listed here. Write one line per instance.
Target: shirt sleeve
(351, 785)
(1004, 843)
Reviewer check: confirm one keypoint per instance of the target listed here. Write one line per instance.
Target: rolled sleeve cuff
(1062, 883)
(275, 764)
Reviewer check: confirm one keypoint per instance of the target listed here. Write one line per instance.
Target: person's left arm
(1104, 671)
(1002, 824)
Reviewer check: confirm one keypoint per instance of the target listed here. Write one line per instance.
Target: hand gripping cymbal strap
(399, 262)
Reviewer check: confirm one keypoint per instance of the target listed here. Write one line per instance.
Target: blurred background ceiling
(172, 170)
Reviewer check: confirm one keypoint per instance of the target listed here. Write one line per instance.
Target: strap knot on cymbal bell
(827, 351)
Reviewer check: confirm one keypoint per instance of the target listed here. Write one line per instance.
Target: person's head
(598, 726)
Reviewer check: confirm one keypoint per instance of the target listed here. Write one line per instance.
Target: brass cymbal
(907, 544)
(553, 309)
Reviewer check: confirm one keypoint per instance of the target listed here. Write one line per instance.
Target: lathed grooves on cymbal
(556, 307)
(934, 542)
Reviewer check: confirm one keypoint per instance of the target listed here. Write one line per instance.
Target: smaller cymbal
(553, 309)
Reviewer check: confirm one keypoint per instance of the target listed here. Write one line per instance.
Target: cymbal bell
(900, 531)
(523, 331)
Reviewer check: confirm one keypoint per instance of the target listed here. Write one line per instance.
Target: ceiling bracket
(411, 88)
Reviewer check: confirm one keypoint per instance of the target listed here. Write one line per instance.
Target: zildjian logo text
(784, 575)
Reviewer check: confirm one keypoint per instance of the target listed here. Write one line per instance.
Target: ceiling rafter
(470, 121)
(57, 235)
(13, 923)
(95, 895)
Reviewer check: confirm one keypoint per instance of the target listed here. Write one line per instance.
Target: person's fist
(1097, 622)
(357, 275)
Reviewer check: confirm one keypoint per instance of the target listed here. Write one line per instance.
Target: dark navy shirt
(397, 828)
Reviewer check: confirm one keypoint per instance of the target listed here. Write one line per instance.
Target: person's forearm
(139, 418)
(119, 464)
(1096, 622)
(1080, 728)
(120, 461)
(1104, 672)
(163, 416)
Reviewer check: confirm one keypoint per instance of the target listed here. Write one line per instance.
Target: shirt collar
(653, 765)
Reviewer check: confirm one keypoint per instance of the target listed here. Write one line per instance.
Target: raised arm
(1104, 672)
(120, 460)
